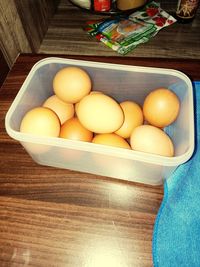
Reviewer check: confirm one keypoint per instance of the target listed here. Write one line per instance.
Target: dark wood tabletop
(57, 217)
(65, 35)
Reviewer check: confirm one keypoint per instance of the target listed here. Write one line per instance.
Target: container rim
(96, 148)
(103, 65)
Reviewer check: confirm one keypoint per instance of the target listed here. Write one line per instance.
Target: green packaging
(125, 32)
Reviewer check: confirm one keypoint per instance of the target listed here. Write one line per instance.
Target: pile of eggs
(76, 112)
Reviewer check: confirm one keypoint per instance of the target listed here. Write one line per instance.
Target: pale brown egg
(64, 111)
(133, 118)
(150, 139)
(74, 130)
(71, 84)
(100, 113)
(76, 108)
(111, 139)
(41, 121)
(76, 104)
(161, 107)
(95, 92)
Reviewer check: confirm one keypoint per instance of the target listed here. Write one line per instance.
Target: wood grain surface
(65, 35)
(56, 217)
(35, 16)
(3, 67)
(12, 36)
(23, 24)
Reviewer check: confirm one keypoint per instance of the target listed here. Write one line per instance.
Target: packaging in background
(186, 10)
(109, 6)
(129, 4)
(102, 5)
(82, 3)
(125, 32)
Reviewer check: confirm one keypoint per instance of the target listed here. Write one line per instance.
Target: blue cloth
(176, 236)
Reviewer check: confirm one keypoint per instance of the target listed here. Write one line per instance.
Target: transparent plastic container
(123, 83)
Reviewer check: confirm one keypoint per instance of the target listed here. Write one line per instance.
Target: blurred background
(57, 27)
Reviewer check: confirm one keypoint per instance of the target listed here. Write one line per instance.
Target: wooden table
(65, 35)
(56, 217)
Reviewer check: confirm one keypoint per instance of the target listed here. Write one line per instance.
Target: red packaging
(102, 5)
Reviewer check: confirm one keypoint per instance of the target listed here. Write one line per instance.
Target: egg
(71, 84)
(100, 113)
(76, 105)
(150, 139)
(76, 108)
(95, 92)
(63, 110)
(161, 107)
(111, 139)
(41, 121)
(133, 118)
(74, 130)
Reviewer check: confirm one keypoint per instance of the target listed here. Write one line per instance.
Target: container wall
(97, 163)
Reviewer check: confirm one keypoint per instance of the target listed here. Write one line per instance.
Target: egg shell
(133, 118)
(111, 139)
(161, 107)
(74, 130)
(150, 139)
(63, 110)
(71, 84)
(41, 121)
(76, 104)
(76, 108)
(95, 92)
(100, 113)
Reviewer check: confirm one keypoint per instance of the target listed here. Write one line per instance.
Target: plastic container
(122, 82)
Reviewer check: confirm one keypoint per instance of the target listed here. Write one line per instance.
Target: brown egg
(63, 110)
(133, 118)
(150, 139)
(161, 107)
(76, 108)
(71, 84)
(95, 92)
(41, 121)
(100, 113)
(91, 93)
(74, 130)
(111, 139)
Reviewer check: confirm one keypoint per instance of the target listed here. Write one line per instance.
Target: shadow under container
(122, 82)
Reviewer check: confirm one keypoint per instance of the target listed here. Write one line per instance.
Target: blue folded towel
(176, 237)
